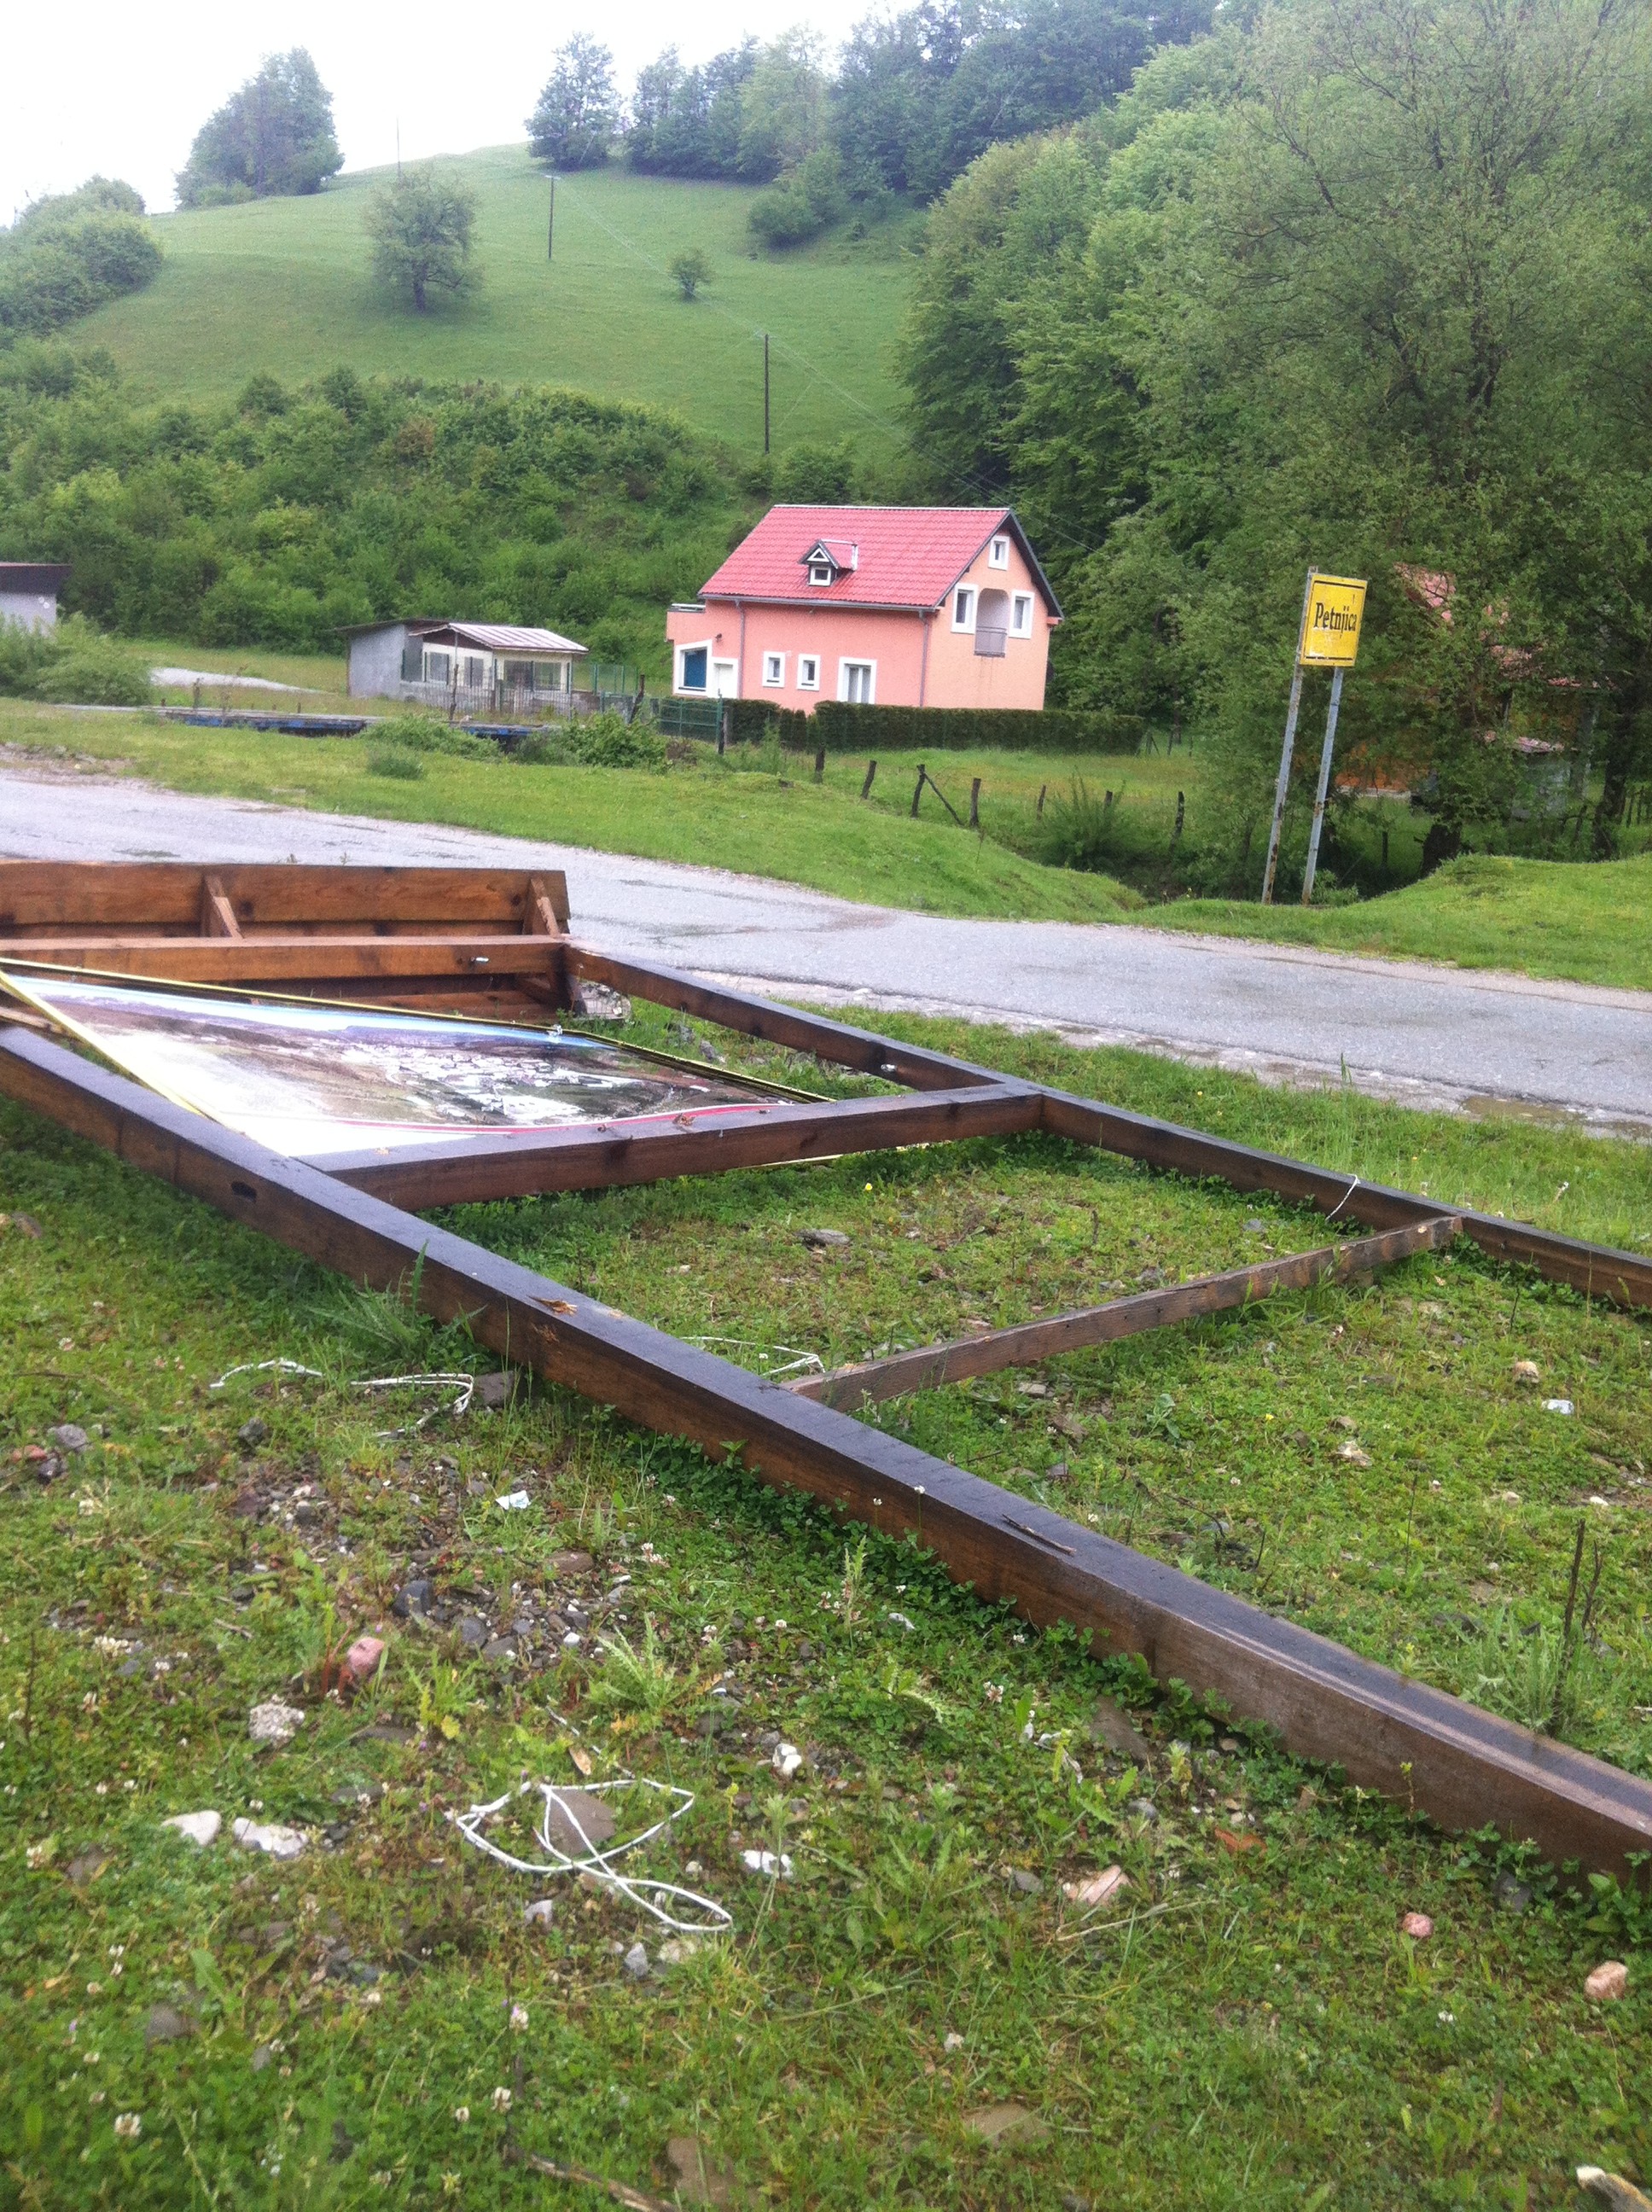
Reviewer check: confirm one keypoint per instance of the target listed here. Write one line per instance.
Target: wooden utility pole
(765, 391)
(550, 225)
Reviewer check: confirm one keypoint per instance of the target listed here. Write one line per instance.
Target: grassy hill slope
(283, 285)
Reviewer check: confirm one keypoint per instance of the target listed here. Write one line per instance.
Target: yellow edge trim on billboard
(1334, 613)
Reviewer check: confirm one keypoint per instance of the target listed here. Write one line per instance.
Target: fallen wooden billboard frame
(1462, 1767)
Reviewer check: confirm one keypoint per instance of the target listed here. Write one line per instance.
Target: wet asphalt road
(1426, 1035)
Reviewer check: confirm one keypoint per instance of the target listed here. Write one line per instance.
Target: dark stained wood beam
(464, 1169)
(275, 960)
(870, 1381)
(1462, 1767)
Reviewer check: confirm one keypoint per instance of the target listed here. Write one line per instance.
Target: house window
(808, 672)
(1020, 616)
(857, 681)
(963, 608)
(998, 555)
(438, 667)
(773, 668)
(821, 572)
(692, 677)
(475, 672)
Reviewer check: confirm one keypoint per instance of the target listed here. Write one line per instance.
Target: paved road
(1426, 1035)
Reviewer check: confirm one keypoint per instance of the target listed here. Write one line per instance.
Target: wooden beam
(217, 915)
(331, 960)
(1462, 1767)
(547, 912)
(800, 1032)
(462, 1171)
(932, 1365)
(1623, 1278)
(154, 896)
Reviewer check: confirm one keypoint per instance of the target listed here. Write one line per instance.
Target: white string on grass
(645, 1892)
(463, 1384)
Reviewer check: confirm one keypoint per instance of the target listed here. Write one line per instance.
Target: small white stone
(770, 1862)
(274, 1721)
(786, 1761)
(953, 2040)
(200, 1827)
(636, 1962)
(271, 1837)
(513, 1501)
(1558, 1406)
(540, 1913)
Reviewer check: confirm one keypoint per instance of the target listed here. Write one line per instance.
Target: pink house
(889, 606)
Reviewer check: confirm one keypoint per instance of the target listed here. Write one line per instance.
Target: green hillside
(283, 285)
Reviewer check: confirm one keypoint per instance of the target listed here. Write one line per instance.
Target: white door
(724, 679)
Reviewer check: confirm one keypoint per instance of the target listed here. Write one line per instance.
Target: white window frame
(965, 600)
(998, 553)
(843, 670)
(1021, 615)
(774, 670)
(821, 573)
(694, 645)
(808, 672)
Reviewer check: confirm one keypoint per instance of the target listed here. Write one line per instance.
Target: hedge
(842, 729)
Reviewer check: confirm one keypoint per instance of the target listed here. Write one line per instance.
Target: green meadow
(282, 286)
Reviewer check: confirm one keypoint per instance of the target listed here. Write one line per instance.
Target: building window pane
(963, 608)
(998, 556)
(773, 668)
(693, 669)
(808, 672)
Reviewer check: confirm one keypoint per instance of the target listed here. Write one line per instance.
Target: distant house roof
(492, 637)
(883, 556)
(506, 637)
(33, 576)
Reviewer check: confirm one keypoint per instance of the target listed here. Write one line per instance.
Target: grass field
(283, 285)
(917, 2015)
(1572, 919)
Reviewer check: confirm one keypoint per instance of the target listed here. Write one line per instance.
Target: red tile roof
(888, 556)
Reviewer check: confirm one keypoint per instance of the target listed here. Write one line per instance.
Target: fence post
(918, 789)
(1042, 788)
(974, 804)
(871, 770)
(820, 763)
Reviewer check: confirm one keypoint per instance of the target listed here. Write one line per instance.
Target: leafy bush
(602, 741)
(1077, 831)
(841, 728)
(808, 200)
(74, 663)
(67, 254)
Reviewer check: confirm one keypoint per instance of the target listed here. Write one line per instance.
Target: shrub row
(843, 729)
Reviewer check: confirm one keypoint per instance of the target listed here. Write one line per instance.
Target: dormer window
(998, 554)
(822, 572)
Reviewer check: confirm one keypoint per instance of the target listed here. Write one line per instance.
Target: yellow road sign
(1332, 614)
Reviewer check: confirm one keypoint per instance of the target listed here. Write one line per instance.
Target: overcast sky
(123, 89)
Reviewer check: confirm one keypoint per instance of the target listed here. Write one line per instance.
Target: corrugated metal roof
(890, 556)
(505, 637)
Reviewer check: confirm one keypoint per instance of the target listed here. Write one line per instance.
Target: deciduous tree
(274, 136)
(421, 227)
(574, 123)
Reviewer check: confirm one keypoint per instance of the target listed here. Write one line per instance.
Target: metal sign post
(1321, 789)
(1332, 612)
(1287, 750)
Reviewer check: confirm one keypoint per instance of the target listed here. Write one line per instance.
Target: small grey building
(474, 663)
(28, 592)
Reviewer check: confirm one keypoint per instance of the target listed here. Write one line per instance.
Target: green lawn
(375, 2023)
(1589, 921)
(283, 285)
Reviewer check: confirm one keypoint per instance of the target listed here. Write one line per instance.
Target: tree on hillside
(686, 122)
(690, 270)
(67, 253)
(274, 136)
(1364, 283)
(577, 116)
(421, 226)
(782, 105)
